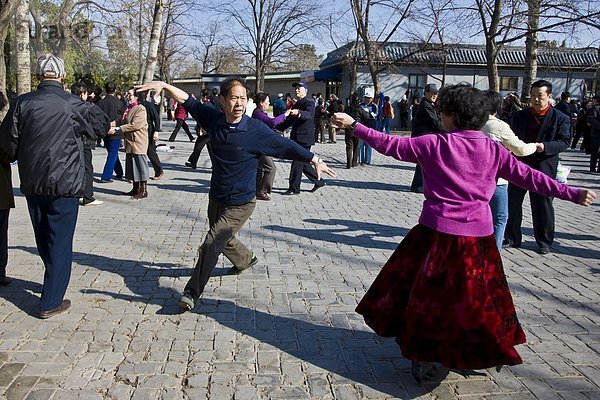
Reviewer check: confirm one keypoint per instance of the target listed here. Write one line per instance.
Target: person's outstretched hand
(341, 120)
(157, 86)
(587, 197)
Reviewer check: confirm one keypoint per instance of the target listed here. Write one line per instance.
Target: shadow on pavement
(19, 294)
(354, 355)
(358, 356)
(349, 232)
(370, 185)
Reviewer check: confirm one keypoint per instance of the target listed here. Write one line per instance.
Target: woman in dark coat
(7, 201)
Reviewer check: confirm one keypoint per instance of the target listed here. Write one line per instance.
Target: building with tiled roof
(410, 66)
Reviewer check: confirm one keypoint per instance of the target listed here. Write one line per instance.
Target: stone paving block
(480, 387)
(41, 394)
(144, 394)
(506, 381)
(160, 382)
(8, 372)
(572, 395)
(288, 392)
(220, 392)
(507, 396)
(540, 389)
(19, 388)
(571, 384)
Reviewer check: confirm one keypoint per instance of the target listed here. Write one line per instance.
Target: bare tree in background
(22, 51)
(497, 18)
(7, 9)
(554, 15)
(299, 58)
(152, 55)
(172, 44)
(269, 27)
(397, 13)
(505, 22)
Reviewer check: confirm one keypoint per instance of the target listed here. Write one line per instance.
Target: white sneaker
(94, 203)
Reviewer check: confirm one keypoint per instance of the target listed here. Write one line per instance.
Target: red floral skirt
(445, 298)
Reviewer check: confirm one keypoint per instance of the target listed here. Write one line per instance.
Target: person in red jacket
(180, 117)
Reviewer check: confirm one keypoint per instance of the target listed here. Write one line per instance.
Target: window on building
(509, 83)
(333, 87)
(417, 81)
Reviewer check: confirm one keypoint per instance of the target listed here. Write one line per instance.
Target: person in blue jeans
(500, 131)
(114, 108)
(388, 115)
(368, 117)
(112, 145)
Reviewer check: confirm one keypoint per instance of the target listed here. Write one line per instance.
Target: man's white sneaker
(94, 203)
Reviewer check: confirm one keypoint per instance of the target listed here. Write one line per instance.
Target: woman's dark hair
(260, 97)
(464, 104)
(227, 84)
(78, 88)
(110, 87)
(493, 102)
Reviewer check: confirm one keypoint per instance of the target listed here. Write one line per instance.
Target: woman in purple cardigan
(265, 175)
(443, 294)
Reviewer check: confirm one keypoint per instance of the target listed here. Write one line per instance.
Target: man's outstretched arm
(177, 94)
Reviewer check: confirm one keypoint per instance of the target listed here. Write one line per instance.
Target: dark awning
(328, 73)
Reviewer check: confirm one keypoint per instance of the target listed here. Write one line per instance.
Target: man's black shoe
(5, 281)
(317, 187)
(507, 244)
(290, 192)
(543, 250)
(189, 164)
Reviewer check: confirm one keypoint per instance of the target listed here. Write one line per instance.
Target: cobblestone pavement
(286, 329)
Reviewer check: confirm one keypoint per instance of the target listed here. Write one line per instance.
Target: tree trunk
(154, 41)
(7, 8)
(140, 38)
(22, 48)
(491, 52)
(598, 75)
(370, 49)
(531, 47)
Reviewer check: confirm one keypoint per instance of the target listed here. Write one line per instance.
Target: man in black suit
(426, 120)
(302, 121)
(542, 124)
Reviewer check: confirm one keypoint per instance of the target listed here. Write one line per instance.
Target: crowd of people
(473, 188)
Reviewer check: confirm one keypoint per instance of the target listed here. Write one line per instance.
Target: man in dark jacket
(237, 143)
(564, 105)
(541, 124)
(302, 121)
(426, 120)
(43, 131)
(593, 120)
(114, 108)
(100, 124)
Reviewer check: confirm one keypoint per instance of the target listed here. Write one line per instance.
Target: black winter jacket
(43, 130)
(98, 121)
(555, 133)
(303, 127)
(426, 120)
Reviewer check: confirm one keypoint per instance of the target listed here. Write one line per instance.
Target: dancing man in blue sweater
(237, 142)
